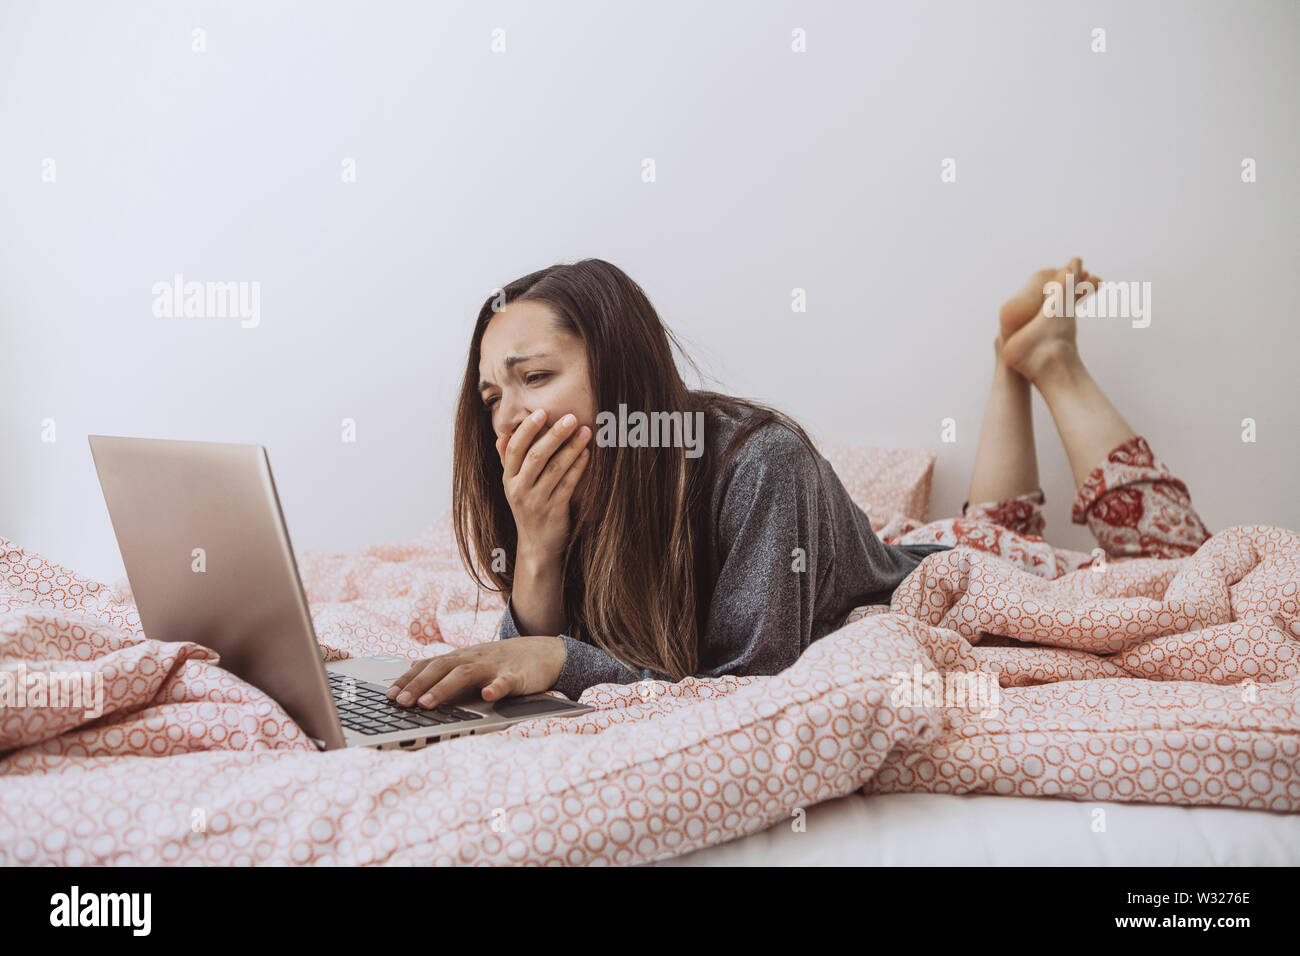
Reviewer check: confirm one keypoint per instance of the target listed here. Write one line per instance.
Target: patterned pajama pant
(1132, 502)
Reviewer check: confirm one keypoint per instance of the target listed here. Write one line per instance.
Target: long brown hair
(634, 561)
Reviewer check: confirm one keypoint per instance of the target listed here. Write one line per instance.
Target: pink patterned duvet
(1151, 680)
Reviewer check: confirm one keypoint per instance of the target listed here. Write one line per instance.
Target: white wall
(775, 170)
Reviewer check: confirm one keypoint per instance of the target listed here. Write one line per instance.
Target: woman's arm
(763, 608)
(776, 544)
(585, 665)
(797, 555)
(537, 595)
(540, 470)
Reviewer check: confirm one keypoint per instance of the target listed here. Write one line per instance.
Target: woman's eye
(536, 377)
(489, 403)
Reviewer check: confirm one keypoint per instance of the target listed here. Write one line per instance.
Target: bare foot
(1033, 340)
(1024, 305)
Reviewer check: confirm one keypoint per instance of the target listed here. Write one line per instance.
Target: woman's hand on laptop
(521, 665)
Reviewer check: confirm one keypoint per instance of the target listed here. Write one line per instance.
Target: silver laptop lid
(209, 559)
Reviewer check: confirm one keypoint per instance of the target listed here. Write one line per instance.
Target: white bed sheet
(921, 829)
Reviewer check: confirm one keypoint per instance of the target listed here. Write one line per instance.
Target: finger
(1087, 285)
(414, 669)
(452, 683)
(519, 441)
(429, 675)
(559, 464)
(543, 448)
(564, 488)
(501, 686)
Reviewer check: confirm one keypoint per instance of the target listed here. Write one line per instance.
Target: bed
(1146, 715)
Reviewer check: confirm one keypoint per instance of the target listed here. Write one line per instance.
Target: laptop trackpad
(518, 707)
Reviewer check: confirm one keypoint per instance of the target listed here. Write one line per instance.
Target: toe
(1041, 278)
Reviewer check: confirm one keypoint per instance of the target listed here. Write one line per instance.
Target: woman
(646, 558)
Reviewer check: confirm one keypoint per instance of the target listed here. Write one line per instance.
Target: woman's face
(527, 362)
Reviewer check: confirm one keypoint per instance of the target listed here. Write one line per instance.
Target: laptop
(209, 560)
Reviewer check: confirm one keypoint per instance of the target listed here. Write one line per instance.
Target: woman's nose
(511, 418)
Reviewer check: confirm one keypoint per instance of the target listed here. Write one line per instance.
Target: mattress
(923, 829)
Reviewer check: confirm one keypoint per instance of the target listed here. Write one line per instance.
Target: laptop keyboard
(365, 708)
